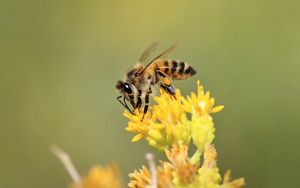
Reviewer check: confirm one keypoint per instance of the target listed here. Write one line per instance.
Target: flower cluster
(176, 120)
(172, 125)
(181, 172)
(101, 177)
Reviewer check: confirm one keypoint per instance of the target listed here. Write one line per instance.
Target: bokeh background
(60, 61)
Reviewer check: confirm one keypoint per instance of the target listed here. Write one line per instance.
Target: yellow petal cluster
(200, 103)
(140, 178)
(173, 124)
(184, 170)
(209, 176)
(227, 183)
(176, 120)
(101, 177)
(180, 172)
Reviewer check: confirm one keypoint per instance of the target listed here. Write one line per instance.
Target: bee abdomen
(177, 70)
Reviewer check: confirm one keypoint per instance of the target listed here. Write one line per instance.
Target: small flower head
(209, 173)
(176, 120)
(172, 124)
(165, 175)
(209, 176)
(185, 170)
(180, 172)
(140, 178)
(237, 183)
(201, 104)
(101, 177)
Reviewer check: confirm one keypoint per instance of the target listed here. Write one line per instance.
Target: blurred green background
(60, 61)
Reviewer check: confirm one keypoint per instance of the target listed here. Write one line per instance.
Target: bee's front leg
(139, 100)
(146, 102)
(124, 103)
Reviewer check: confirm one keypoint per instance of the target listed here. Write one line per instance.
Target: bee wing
(162, 55)
(151, 48)
(165, 53)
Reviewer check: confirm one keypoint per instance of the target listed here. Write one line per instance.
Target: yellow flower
(136, 126)
(172, 125)
(140, 178)
(184, 170)
(237, 183)
(202, 131)
(209, 176)
(165, 175)
(101, 177)
(97, 177)
(169, 121)
(169, 109)
(180, 172)
(200, 104)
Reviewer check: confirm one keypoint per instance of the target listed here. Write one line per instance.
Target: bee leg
(146, 102)
(124, 103)
(169, 89)
(139, 100)
(166, 83)
(131, 99)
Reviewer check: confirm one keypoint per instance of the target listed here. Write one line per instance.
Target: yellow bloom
(172, 125)
(101, 177)
(98, 177)
(209, 176)
(168, 110)
(202, 131)
(136, 126)
(180, 172)
(200, 104)
(169, 121)
(165, 175)
(237, 183)
(184, 170)
(140, 178)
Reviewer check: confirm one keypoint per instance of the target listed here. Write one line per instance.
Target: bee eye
(127, 88)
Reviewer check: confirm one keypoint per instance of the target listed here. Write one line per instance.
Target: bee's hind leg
(169, 89)
(166, 83)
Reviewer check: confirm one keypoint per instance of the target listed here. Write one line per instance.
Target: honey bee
(139, 79)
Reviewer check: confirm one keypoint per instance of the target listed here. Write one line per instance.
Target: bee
(139, 79)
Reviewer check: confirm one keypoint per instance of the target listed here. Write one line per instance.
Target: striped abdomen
(177, 70)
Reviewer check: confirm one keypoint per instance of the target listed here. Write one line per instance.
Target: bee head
(124, 88)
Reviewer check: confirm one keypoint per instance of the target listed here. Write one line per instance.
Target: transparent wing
(165, 53)
(162, 55)
(151, 48)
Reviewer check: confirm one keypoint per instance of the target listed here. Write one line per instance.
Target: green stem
(196, 156)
